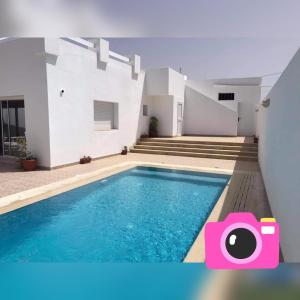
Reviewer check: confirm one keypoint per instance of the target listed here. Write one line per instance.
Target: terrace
(245, 191)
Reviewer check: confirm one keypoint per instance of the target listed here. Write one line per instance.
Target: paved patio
(14, 180)
(245, 191)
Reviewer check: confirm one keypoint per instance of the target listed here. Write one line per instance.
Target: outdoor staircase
(193, 148)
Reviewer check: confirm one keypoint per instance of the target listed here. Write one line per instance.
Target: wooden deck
(246, 193)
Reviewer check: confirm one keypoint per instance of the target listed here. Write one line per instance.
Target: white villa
(72, 97)
(75, 97)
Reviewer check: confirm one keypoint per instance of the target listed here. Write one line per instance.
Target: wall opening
(226, 96)
(106, 115)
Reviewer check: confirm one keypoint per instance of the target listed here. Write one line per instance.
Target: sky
(209, 58)
(217, 38)
(151, 18)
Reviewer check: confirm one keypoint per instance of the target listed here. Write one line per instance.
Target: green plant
(22, 151)
(153, 127)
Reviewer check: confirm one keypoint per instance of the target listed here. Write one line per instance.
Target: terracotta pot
(29, 165)
(85, 160)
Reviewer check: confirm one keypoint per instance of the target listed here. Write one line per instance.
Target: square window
(226, 96)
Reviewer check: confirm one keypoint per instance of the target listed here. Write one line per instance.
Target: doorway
(179, 118)
(12, 125)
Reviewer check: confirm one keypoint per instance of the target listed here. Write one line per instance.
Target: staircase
(192, 148)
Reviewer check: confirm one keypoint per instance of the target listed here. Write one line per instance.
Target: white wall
(246, 98)
(157, 82)
(203, 116)
(176, 84)
(164, 82)
(23, 73)
(162, 107)
(279, 156)
(165, 87)
(77, 73)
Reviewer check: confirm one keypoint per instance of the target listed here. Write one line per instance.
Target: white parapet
(52, 46)
(136, 64)
(102, 46)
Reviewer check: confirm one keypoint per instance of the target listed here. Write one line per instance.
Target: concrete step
(199, 146)
(197, 150)
(197, 154)
(165, 140)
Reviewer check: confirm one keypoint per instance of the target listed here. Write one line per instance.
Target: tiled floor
(14, 180)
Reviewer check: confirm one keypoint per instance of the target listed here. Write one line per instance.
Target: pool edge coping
(196, 253)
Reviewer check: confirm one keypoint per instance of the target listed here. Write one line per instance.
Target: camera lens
(240, 243)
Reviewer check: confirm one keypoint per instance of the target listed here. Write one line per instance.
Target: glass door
(12, 125)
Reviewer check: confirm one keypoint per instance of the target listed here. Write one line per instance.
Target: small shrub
(153, 127)
(22, 152)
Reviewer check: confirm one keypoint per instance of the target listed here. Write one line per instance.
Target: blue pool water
(140, 215)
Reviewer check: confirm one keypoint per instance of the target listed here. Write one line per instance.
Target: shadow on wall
(143, 121)
(204, 116)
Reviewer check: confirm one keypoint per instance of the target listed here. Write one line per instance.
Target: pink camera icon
(240, 242)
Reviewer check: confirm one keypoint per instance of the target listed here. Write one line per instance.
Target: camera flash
(267, 229)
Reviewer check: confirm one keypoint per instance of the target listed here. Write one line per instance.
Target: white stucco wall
(176, 84)
(164, 82)
(246, 98)
(279, 156)
(165, 87)
(23, 73)
(72, 131)
(157, 82)
(204, 116)
(162, 107)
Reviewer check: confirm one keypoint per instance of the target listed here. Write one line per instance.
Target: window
(226, 96)
(145, 110)
(105, 115)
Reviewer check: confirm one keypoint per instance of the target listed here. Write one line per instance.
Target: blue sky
(232, 38)
(204, 58)
(204, 18)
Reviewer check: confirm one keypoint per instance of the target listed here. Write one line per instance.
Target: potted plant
(28, 161)
(124, 150)
(153, 127)
(85, 160)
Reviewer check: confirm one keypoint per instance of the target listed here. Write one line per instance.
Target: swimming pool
(144, 214)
